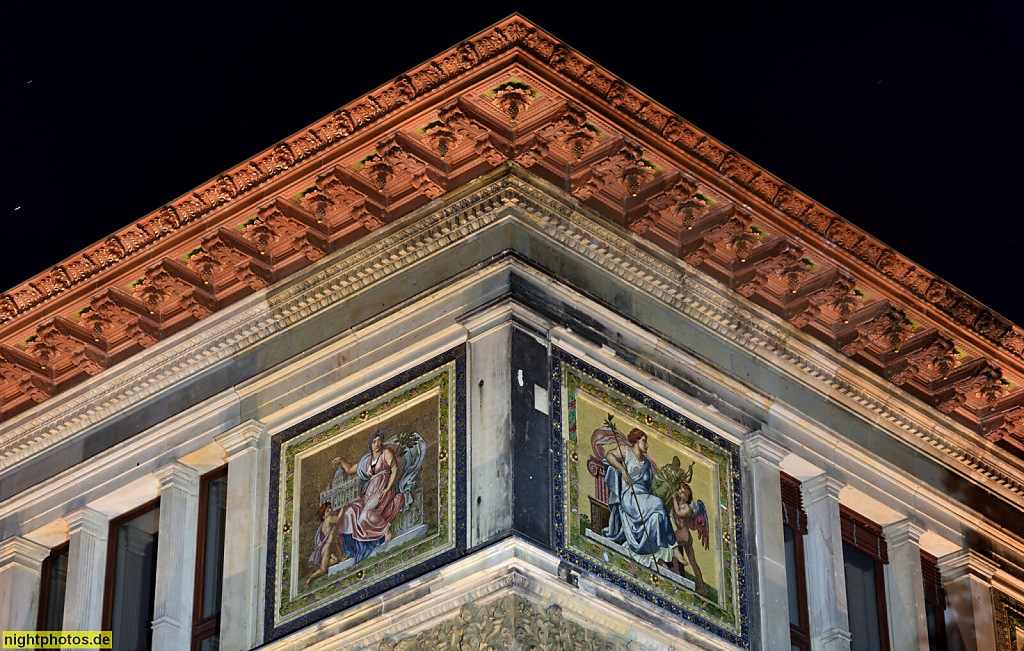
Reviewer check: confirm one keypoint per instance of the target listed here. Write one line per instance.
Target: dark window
(794, 520)
(213, 493)
(934, 602)
(864, 554)
(131, 578)
(53, 585)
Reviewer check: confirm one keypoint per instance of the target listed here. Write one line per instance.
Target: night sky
(904, 120)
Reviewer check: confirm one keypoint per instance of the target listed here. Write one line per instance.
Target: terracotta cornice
(436, 127)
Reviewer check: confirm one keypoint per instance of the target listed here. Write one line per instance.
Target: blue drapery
(642, 524)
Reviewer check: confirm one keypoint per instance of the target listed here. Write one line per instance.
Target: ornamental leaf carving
(422, 181)
(679, 132)
(791, 203)
(34, 388)
(1011, 429)
(531, 154)
(621, 97)
(840, 232)
(11, 371)
(484, 146)
(680, 201)
(587, 185)
(986, 384)
(736, 168)
(644, 222)
(890, 329)
(990, 325)
(205, 265)
(953, 400)
(8, 308)
(855, 345)
(54, 282)
(839, 295)
(337, 127)
(511, 622)
(936, 291)
(938, 356)
(1012, 340)
(50, 342)
(88, 360)
(109, 252)
(513, 101)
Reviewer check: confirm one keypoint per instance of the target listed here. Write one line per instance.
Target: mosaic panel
(367, 494)
(648, 499)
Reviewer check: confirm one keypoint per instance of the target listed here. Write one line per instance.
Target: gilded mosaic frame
(1009, 620)
(579, 390)
(412, 426)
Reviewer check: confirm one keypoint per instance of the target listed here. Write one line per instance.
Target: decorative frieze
(510, 622)
(512, 196)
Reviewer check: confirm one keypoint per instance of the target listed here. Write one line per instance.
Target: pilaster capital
(177, 475)
(821, 487)
(903, 532)
(87, 521)
(242, 438)
(966, 562)
(22, 551)
(764, 449)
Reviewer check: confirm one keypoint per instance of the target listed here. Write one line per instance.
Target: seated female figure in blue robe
(639, 521)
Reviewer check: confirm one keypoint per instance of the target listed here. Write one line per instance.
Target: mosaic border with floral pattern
(1009, 615)
(445, 374)
(569, 374)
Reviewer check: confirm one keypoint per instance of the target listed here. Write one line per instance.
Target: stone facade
(876, 402)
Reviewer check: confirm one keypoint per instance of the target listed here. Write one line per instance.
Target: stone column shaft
(904, 587)
(87, 566)
(245, 546)
(21, 562)
(970, 618)
(176, 557)
(773, 595)
(826, 574)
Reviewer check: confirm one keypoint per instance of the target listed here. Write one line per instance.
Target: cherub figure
(672, 484)
(688, 515)
(326, 550)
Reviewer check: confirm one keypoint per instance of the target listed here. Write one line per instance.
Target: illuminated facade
(505, 353)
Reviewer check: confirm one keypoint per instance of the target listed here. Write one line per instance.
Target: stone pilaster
(490, 417)
(826, 575)
(176, 556)
(20, 563)
(904, 587)
(87, 565)
(245, 546)
(970, 624)
(773, 596)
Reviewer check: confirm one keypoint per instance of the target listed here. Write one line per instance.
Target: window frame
(866, 536)
(203, 628)
(44, 584)
(935, 594)
(794, 517)
(108, 581)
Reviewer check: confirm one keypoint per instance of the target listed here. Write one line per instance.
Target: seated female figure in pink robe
(365, 522)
